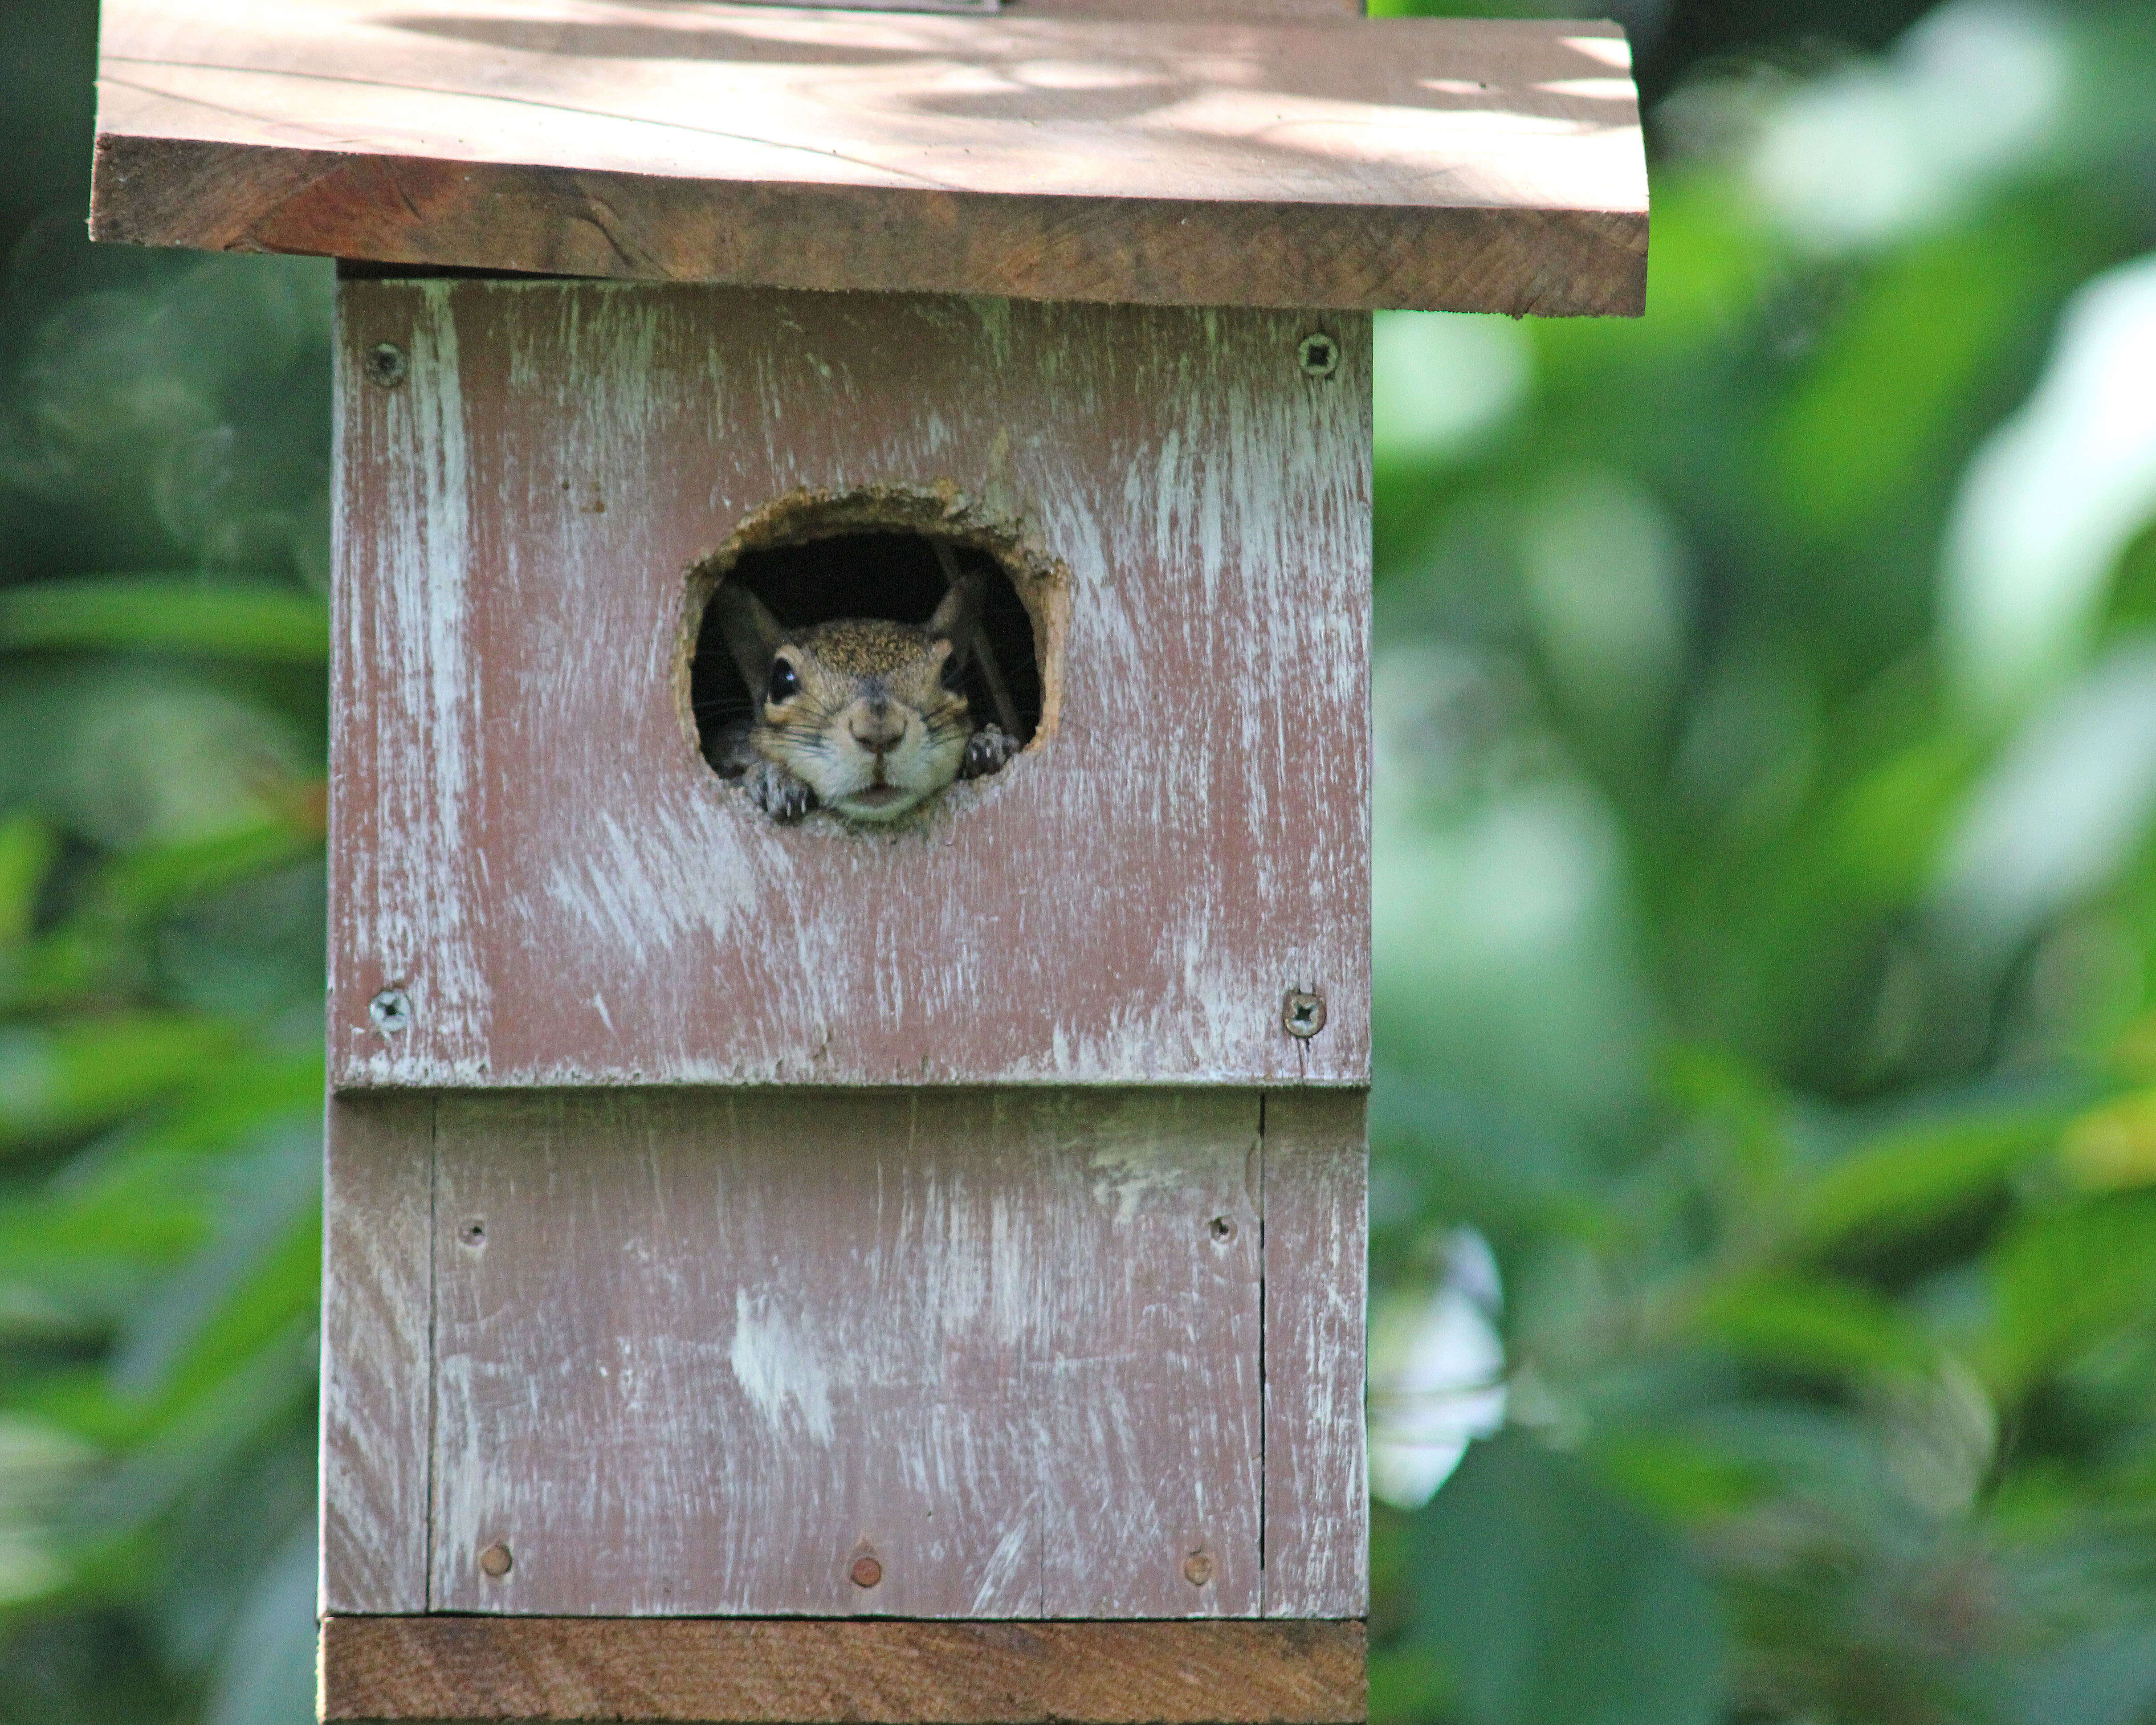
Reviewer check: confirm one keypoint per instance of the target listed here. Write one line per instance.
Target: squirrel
(863, 716)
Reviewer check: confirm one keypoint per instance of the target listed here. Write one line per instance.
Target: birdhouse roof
(1296, 160)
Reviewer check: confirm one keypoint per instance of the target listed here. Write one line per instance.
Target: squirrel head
(871, 714)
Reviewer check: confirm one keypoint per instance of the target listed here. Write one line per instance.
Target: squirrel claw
(987, 751)
(778, 793)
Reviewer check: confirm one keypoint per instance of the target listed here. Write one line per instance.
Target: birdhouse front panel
(744, 1207)
(540, 876)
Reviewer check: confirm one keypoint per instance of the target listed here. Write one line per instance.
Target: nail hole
(385, 365)
(1222, 1227)
(473, 1234)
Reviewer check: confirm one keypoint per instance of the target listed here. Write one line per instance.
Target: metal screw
(866, 1572)
(495, 1560)
(473, 1234)
(1319, 356)
(391, 1010)
(1224, 1228)
(1302, 1014)
(1197, 1568)
(385, 365)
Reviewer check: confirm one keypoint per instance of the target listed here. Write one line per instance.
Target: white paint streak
(778, 1371)
(1004, 1575)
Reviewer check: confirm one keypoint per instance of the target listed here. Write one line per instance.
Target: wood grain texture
(377, 1369)
(701, 1354)
(1447, 163)
(1317, 1186)
(1146, 1379)
(525, 840)
(795, 1673)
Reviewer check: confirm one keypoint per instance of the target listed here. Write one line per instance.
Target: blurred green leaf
(175, 612)
(1811, 1324)
(1407, 1683)
(1550, 1599)
(66, 1078)
(1886, 826)
(2068, 1279)
(108, 929)
(2112, 1145)
(1680, 1476)
(1915, 1174)
(1885, 386)
(276, 1294)
(27, 847)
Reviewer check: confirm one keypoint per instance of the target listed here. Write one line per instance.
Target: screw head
(1221, 1229)
(497, 1561)
(1319, 355)
(1302, 1014)
(385, 365)
(1197, 1568)
(866, 1572)
(391, 1010)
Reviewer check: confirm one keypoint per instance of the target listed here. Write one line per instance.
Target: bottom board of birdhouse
(867, 1671)
(1023, 1355)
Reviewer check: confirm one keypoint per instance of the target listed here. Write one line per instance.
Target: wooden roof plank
(1442, 163)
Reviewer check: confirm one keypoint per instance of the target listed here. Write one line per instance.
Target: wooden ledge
(1299, 160)
(867, 1671)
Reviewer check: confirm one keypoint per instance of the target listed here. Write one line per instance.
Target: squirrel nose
(875, 727)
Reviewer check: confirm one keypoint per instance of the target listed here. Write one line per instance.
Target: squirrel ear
(956, 617)
(752, 633)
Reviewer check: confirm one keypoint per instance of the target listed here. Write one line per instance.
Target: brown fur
(870, 731)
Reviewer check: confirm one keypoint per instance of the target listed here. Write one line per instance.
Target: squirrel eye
(785, 680)
(952, 675)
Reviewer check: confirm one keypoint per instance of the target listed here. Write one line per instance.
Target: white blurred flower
(1437, 1369)
(2052, 498)
(1443, 380)
(1877, 150)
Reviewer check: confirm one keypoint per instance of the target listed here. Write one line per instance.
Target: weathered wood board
(378, 1352)
(1316, 1210)
(1037, 1353)
(526, 842)
(1456, 164)
(991, 1342)
(804, 1673)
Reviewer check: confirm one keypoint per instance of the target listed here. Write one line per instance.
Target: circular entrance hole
(893, 573)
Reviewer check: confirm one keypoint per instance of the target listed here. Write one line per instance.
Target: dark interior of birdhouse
(896, 573)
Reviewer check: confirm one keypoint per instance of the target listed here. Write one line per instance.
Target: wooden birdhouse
(791, 1257)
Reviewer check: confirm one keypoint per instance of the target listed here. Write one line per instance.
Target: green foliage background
(1765, 948)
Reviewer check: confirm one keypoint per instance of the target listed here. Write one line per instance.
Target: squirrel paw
(987, 750)
(778, 793)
